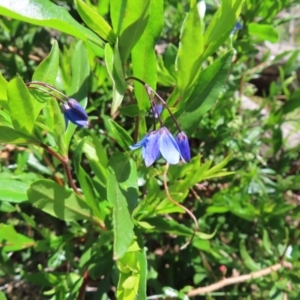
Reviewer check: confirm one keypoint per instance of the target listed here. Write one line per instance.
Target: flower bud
(184, 147)
(75, 113)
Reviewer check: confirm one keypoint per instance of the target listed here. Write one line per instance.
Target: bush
(207, 206)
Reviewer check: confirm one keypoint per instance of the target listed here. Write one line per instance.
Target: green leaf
(47, 14)
(206, 91)
(267, 242)
(85, 181)
(47, 70)
(58, 126)
(143, 55)
(169, 226)
(2, 296)
(10, 240)
(122, 194)
(221, 25)
(78, 88)
(205, 236)
(142, 259)
(292, 104)
(10, 136)
(131, 110)
(249, 262)
(190, 50)
(217, 168)
(129, 19)
(3, 93)
(95, 21)
(263, 32)
(115, 71)
(13, 190)
(57, 201)
(120, 134)
(20, 106)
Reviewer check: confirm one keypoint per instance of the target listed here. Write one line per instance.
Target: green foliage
(81, 215)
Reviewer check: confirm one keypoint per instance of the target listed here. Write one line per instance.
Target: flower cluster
(161, 142)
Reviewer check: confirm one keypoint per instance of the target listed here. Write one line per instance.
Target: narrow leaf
(249, 262)
(129, 19)
(3, 93)
(47, 70)
(221, 25)
(122, 194)
(78, 88)
(190, 50)
(96, 22)
(115, 71)
(86, 181)
(143, 54)
(120, 134)
(206, 91)
(20, 106)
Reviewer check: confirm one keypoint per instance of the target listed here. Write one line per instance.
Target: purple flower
(156, 143)
(157, 110)
(238, 26)
(184, 147)
(75, 113)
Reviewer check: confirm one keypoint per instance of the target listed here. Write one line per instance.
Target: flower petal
(151, 152)
(168, 146)
(139, 144)
(184, 147)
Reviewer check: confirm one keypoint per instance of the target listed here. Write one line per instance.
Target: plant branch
(181, 206)
(83, 285)
(238, 279)
(65, 163)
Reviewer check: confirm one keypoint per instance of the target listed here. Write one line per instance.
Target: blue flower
(75, 113)
(184, 147)
(156, 143)
(158, 108)
(237, 26)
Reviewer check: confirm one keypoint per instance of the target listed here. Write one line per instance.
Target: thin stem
(238, 279)
(165, 105)
(83, 285)
(181, 206)
(65, 163)
(149, 90)
(155, 110)
(48, 86)
(47, 92)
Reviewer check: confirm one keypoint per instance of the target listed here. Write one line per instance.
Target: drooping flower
(156, 143)
(75, 113)
(184, 147)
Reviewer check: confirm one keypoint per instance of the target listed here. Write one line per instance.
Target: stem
(45, 91)
(149, 90)
(181, 206)
(65, 163)
(83, 285)
(238, 279)
(165, 105)
(48, 86)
